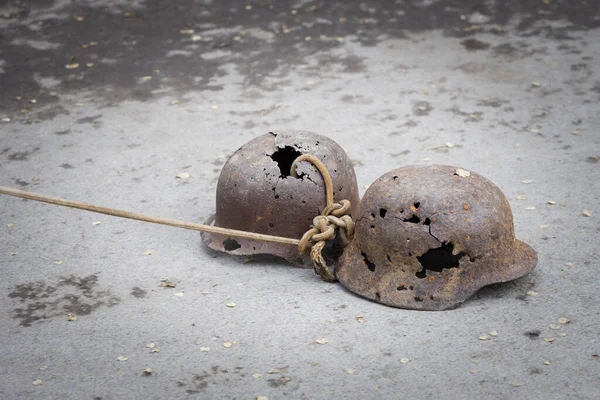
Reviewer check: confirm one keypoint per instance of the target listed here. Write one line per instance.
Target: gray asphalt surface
(108, 101)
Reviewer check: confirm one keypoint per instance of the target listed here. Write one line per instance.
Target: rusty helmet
(257, 192)
(429, 237)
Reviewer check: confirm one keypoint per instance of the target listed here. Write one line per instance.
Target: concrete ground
(106, 101)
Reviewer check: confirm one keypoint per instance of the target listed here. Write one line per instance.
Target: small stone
(544, 226)
(147, 253)
(563, 321)
(37, 382)
(527, 181)
(10, 225)
(72, 66)
(350, 371)
(274, 371)
(33, 101)
(530, 208)
(180, 294)
(516, 384)
(197, 38)
(89, 65)
(170, 284)
(162, 279)
(96, 223)
(551, 202)
(145, 78)
(520, 197)
(231, 304)
(257, 376)
(532, 293)
(174, 102)
(321, 341)
(555, 326)
(205, 349)
(155, 351)
(473, 371)
(183, 175)
(147, 371)
(227, 344)
(549, 339)
(151, 345)
(57, 262)
(79, 18)
(248, 7)
(462, 173)
(484, 337)
(449, 145)
(562, 334)
(547, 362)
(404, 360)
(587, 213)
(262, 398)
(569, 264)
(493, 333)
(186, 31)
(360, 319)
(535, 84)
(43, 367)
(71, 317)
(122, 358)
(6, 119)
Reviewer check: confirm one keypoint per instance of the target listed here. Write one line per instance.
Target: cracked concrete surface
(107, 101)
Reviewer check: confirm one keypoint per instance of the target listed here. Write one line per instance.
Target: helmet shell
(429, 237)
(256, 193)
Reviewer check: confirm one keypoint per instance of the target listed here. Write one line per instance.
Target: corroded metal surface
(428, 237)
(256, 193)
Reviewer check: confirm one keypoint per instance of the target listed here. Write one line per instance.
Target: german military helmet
(429, 237)
(257, 192)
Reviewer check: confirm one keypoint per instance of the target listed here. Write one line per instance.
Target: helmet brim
(451, 288)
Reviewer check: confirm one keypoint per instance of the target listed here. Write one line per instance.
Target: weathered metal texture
(256, 193)
(428, 238)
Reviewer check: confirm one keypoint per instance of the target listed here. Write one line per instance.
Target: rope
(333, 219)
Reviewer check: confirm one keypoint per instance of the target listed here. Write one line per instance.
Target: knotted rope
(333, 219)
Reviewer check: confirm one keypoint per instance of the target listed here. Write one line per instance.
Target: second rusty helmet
(257, 193)
(429, 237)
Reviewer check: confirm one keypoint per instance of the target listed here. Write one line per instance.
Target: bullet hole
(372, 215)
(411, 287)
(378, 296)
(373, 227)
(417, 204)
(437, 259)
(401, 287)
(413, 220)
(276, 196)
(427, 221)
(395, 177)
(284, 157)
(417, 298)
(382, 212)
(271, 225)
(388, 257)
(231, 244)
(368, 262)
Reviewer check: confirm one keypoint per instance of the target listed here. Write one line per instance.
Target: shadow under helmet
(429, 237)
(256, 192)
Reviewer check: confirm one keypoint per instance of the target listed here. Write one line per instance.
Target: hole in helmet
(368, 262)
(271, 225)
(417, 204)
(395, 177)
(427, 221)
(382, 212)
(413, 220)
(417, 298)
(284, 157)
(231, 244)
(401, 287)
(378, 296)
(388, 257)
(372, 215)
(437, 259)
